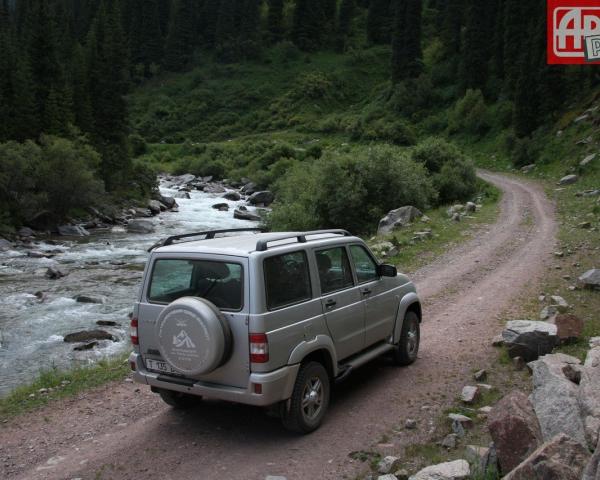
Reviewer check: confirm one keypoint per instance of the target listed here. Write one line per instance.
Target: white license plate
(160, 367)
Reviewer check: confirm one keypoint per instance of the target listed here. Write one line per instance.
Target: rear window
(218, 282)
(287, 280)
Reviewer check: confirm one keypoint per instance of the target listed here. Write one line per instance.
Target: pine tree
(164, 14)
(516, 35)
(330, 14)
(347, 12)
(407, 57)
(250, 29)
(23, 118)
(275, 21)
(526, 112)
(145, 36)
(308, 28)
(451, 25)
(179, 46)
(207, 23)
(227, 31)
(379, 23)
(82, 106)
(475, 51)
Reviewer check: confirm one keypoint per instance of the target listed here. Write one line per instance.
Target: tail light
(133, 331)
(259, 348)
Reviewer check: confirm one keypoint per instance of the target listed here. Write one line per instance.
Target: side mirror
(385, 270)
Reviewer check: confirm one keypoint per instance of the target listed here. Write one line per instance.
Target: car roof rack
(263, 245)
(209, 235)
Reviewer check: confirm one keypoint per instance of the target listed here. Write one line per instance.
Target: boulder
(5, 245)
(456, 470)
(265, 198)
(88, 336)
(398, 218)
(183, 195)
(72, 231)
(568, 180)
(529, 339)
(587, 160)
(589, 396)
(89, 299)
(183, 179)
(249, 188)
(25, 232)
(140, 226)
(85, 346)
(528, 168)
(590, 279)
(514, 429)
(168, 202)
(456, 217)
(385, 249)
(560, 303)
(154, 207)
(233, 196)
(560, 458)
(388, 464)
(222, 207)
(460, 423)
(481, 457)
(449, 441)
(107, 323)
(469, 394)
(245, 215)
(214, 188)
(470, 207)
(55, 273)
(569, 327)
(556, 399)
(454, 209)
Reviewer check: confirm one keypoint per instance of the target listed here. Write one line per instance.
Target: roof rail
(263, 245)
(209, 235)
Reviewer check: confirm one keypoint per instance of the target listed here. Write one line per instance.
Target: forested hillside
(283, 92)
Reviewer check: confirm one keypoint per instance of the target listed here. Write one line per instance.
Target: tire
(178, 400)
(407, 348)
(304, 411)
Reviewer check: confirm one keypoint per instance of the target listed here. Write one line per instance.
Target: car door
(341, 300)
(381, 304)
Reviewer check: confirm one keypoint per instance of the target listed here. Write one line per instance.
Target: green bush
(349, 190)
(469, 114)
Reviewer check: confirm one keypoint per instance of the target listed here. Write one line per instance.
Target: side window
(287, 280)
(334, 269)
(366, 268)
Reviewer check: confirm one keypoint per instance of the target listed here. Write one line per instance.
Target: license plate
(160, 367)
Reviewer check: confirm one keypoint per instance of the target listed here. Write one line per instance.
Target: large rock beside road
(139, 225)
(590, 279)
(569, 327)
(589, 395)
(456, 470)
(264, 198)
(515, 429)
(72, 231)
(398, 218)
(568, 180)
(555, 398)
(529, 339)
(87, 336)
(560, 458)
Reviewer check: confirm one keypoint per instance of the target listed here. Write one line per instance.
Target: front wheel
(305, 410)
(407, 348)
(178, 400)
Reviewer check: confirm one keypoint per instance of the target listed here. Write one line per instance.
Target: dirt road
(122, 431)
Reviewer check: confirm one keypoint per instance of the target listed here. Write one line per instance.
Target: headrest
(212, 270)
(323, 261)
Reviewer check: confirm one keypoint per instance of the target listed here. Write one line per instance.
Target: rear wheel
(305, 410)
(407, 348)
(178, 400)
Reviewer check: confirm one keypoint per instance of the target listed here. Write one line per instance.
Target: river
(107, 264)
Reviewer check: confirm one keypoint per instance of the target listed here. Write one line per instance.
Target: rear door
(170, 276)
(381, 303)
(341, 301)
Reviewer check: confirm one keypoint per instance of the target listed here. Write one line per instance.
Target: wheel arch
(409, 303)
(319, 349)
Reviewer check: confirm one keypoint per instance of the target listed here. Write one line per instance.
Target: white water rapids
(108, 263)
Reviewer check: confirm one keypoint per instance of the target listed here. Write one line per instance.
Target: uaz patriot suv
(268, 319)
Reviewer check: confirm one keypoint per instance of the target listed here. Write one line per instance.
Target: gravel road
(122, 431)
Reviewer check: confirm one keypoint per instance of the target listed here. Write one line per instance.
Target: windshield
(218, 282)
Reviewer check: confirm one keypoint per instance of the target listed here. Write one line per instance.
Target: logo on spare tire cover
(183, 340)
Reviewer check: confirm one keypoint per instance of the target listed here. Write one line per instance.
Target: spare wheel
(193, 336)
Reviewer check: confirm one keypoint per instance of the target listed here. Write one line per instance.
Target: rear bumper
(276, 385)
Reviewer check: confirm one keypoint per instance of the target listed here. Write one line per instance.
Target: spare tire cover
(193, 336)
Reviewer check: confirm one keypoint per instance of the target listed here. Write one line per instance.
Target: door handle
(330, 303)
(366, 291)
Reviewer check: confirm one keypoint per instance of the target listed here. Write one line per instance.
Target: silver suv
(268, 319)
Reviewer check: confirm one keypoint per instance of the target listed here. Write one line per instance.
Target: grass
(61, 384)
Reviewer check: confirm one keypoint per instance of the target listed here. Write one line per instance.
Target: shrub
(469, 114)
(138, 145)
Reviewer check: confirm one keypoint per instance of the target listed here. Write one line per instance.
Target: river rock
(54, 273)
(154, 207)
(214, 188)
(568, 180)
(139, 225)
(168, 202)
(25, 232)
(398, 218)
(589, 396)
(85, 346)
(233, 196)
(221, 207)
(556, 399)
(107, 323)
(5, 245)
(183, 179)
(529, 339)
(265, 198)
(88, 335)
(515, 430)
(560, 458)
(245, 214)
(89, 299)
(456, 470)
(569, 327)
(249, 188)
(590, 279)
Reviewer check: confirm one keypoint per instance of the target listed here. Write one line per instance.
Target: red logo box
(573, 32)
